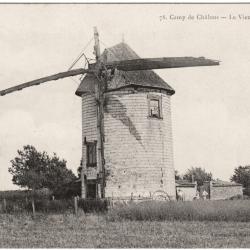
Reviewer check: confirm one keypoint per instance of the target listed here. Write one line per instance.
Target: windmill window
(154, 106)
(91, 154)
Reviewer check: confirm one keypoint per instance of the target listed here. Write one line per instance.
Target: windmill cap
(140, 78)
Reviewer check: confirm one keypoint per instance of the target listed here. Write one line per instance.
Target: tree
(58, 176)
(35, 170)
(242, 175)
(79, 170)
(197, 174)
(177, 175)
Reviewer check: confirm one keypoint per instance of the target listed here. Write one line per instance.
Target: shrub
(15, 195)
(12, 206)
(93, 205)
(68, 190)
(236, 197)
(41, 205)
(51, 206)
(246, 191)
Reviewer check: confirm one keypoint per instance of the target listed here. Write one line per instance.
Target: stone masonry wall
(138, 149)
(89, 128)
(224, 192)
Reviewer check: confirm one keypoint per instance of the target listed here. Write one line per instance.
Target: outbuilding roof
(219, 183)
(122, 79)
(184, 183)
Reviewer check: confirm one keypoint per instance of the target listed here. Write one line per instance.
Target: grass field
(93, 231)
(220, 210)
(151, 224)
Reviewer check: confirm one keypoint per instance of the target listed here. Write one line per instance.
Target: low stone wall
(224, 192)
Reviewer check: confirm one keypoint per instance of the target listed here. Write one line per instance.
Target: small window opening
(154, 103)
(91, 154)
(154, 108)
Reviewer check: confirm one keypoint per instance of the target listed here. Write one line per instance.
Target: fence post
(75, 205)
(4, 205)
(33, 207)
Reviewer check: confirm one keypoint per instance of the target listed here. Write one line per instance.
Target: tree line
(240, 175)
(35, 170)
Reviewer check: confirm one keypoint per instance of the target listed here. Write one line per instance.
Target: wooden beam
(97, 45)
(46, 79)
(99, 92)
(161, 63)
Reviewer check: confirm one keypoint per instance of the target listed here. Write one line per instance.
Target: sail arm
(161, 63)
(46, 79)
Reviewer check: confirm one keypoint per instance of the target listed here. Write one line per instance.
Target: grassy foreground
(93, 231)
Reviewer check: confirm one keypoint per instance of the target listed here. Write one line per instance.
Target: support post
(99, 94)
(83, 186)
(33, 208)
(75, 205)
(4, 205)
(97, 50)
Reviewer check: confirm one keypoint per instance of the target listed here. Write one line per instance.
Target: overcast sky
(210, 110)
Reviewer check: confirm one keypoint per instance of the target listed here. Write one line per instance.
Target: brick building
(138, 149)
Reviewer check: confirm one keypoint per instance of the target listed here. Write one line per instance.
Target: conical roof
(123, 79)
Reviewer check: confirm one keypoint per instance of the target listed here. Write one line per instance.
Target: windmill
(103, 70)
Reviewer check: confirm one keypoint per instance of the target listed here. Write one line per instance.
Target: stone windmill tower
(138, 149)
(127, 147)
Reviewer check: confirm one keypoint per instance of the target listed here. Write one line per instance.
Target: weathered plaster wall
(138, 149)
(89, 128)
(224, 192)
(188, 192)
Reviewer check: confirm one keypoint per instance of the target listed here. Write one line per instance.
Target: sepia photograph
(124, 125)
